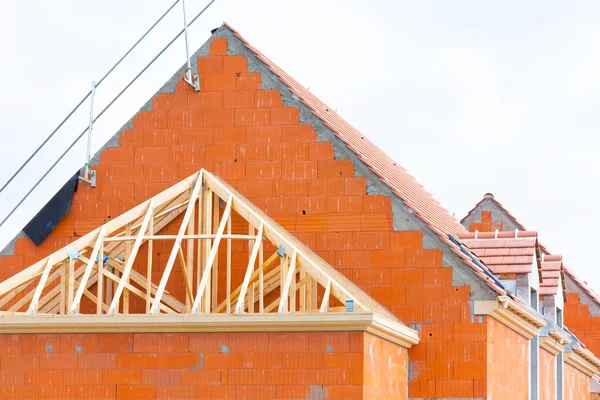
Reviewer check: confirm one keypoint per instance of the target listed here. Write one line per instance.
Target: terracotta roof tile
(552, 272)
(583, 284)
(392, 174)
(501, 254)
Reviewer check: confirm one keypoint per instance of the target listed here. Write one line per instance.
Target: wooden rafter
(103, 265)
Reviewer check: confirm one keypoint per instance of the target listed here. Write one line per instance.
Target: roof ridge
(402, 184)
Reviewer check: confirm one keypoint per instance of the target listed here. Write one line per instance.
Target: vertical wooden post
(100, 284)
(190, 258)
(302, 305)
(71, 290)
(149, 266)
(252, 287)
(261, 279)
(215, 267)
(63, 287)
(208, 208)
(200, 224)
(127, 254)
(228, 284)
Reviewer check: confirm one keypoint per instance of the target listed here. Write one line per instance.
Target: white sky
(469, 96)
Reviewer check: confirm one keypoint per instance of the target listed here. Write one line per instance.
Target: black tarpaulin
(52, 213)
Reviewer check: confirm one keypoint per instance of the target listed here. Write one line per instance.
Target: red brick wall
(507, 362)
(246, 136)
(585, 326)
(547, 376)
(577, 384)
(385, 369)
(200, 366)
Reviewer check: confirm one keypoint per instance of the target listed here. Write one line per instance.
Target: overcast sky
(469, 96)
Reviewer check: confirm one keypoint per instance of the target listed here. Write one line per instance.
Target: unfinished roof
(583, 284)
(504, 252)
(390, 172)
(552, 276)
(290, 278)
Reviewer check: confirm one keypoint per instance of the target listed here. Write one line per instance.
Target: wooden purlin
(294, 270)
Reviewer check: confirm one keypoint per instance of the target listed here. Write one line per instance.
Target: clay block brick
(326, 187)
(290, 187)
(187, 154)
(311, 223)
(161, 377)
(344, 392)
(432, 258)
(255, 152)
(210, 65)
(196, 136)
(290, 151)
(220, 153)
(222, 117)
(116, 156)
(130, 138)
(344, 204)
(370, 240)
(230, 171)
(151, 155)
(303, 205)
(210, 392)
(268, 98)
(222, 361)
(218, 83)
(11, 344)
(442, 314)
(229, 135)
(407, 313)
(19, 361)
(367, 277)
(144, 191)
(376, 222)
(248, 81)
(406, 240)
(205, 100)
(334, 241)
(256, 188)
(121, 377)
(354, 259)
(233, 64)
(97, 392)
(356, 186)
(218, 47)
(12, 377)
(263, 170)
(455, 295)
(239, 99)
(262, 360)
(39, 344)
(58, 392)
(185, 118)
(160, 173)
(297, 133)
(286, 116)
(299, 170)
(19, 392)
(455, 388)
(124, 174)
(170, 101)
(83, 377)
(437, 277)
(151, 119)
(376, 204)
(414, 257)
(320, 151)
(263, 134)
(470, 332)
(335, 168)
(179, 392)
(115, 343)
(288, 342)
(135, 392)
(96, 360)
(252, 116)
(388, 258)
(344, 223)
(303, 360)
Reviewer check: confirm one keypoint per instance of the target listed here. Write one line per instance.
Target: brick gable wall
(248, 137)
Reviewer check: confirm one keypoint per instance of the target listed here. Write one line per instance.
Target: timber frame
(292, 287)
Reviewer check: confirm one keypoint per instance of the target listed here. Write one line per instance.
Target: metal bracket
(192, 79)
(90, 180)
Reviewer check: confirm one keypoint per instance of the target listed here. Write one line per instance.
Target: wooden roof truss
(100, 265)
